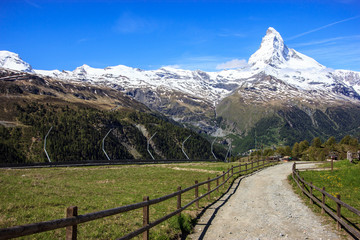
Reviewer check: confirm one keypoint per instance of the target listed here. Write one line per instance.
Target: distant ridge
(299, 97)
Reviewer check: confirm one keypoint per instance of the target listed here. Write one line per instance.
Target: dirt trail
(262, 206)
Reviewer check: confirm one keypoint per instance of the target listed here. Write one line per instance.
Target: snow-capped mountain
(278, 83)
(12, 61)
(274, 53)
(273, 58)
(210, 86)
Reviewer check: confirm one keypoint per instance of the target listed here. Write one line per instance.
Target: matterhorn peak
(273, 41)
(272, 30)
(272, 50)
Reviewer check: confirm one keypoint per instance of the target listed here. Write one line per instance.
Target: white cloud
(327, 41)
(130, 23)
(235, 63)
(176, 66)
(338, 52)
(343, 56)
(322, 27)
(229, 33)
(206, 63)
(83, 40)
(32, 3)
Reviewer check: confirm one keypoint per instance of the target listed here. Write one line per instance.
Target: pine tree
(346, 140)
(296, 150)
(316, 142)
(303, 146)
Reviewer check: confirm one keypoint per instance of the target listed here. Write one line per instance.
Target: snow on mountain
(276, 59)
(273, 58)
(350, 77)
(273, 52)
(196, 83)
(12, 61)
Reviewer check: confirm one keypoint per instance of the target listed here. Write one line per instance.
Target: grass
(344, 180)
(217, 167)
(42, 194)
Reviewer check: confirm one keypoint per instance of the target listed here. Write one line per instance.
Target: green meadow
(343, 180)
(43, 194)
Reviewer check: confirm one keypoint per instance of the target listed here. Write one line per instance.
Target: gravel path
(262, 206)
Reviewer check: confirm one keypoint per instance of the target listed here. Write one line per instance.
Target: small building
(349, 156)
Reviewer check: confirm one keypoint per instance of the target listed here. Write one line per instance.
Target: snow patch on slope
(12, 61)
(273, 58)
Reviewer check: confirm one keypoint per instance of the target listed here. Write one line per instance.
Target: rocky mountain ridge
(80, 115)
(272, 58)
(277, 82)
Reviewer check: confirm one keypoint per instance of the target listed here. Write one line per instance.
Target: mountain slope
(292, 98)
(12, 61)
(81, 115)
(277, 83)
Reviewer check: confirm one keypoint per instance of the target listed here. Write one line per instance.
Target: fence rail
(307, 189)
(72, 219)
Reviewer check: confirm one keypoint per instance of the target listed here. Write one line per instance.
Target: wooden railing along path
(307, 188)
(73, 219)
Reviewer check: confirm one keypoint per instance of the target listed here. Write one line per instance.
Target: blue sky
(205, 35)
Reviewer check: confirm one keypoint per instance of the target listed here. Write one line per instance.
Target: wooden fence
(73, 219)
(307, 188)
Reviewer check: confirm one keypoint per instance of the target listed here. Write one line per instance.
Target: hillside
(81, 115)
(285, 116)
(279, 97)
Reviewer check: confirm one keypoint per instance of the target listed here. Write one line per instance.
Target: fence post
(240, 168)
(303, 185)
(323, 202)
(228, 172)
(252, 165)
(197, 193)
(209, 188)
(179, 200)
(332, 164)
(246, 168)
(223, 178)
(232, 170)
(311, 193)
(146, 218)
(71, 231)
(217, 183)
(338, 211)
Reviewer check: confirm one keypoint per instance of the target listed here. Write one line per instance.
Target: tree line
(78, 132)
(316, 150)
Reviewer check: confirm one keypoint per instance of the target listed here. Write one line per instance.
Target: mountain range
(281, 96)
